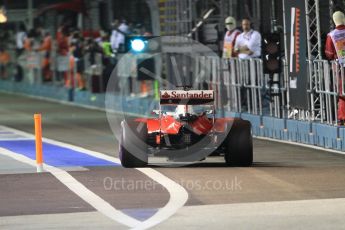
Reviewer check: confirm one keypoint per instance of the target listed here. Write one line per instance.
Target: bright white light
(3, 17)
(138, 45)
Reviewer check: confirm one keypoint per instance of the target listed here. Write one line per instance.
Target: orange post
(38, 137)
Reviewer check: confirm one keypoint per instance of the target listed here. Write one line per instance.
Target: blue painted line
(140, 214)
(55, 155)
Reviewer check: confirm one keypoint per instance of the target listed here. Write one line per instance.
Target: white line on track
(75, 186)
(174, 204)
(178, 195)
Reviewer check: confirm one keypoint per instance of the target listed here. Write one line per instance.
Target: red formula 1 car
(186, 129)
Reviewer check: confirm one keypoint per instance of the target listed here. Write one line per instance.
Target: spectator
(248, 43)
(62, 42)
(92, 48)
(62, 51)
(78, 54)
(20, 39)
(118, 35)
(106, 46)
(59, 32)
(94, 58)
(45, 48)
(21, 36)
(123, 32)
(29, 41)
(335, 51)
(4, 60)
(31, 45)
(113, 37)
(230, 38)
(108, 68)
(76, 67)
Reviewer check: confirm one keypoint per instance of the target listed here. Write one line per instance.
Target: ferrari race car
(185, 128)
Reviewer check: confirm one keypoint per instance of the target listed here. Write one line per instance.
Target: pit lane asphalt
(281, 172)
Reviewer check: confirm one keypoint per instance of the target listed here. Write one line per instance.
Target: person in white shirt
(20, 38)
(248, 43)
(118, 35)
(123, 31)
(113, 37)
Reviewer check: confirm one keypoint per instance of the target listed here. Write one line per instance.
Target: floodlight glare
(3, 17)
(138, 45)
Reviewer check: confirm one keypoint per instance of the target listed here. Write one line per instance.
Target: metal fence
(246, 89)
(243, 85)
(329, 86)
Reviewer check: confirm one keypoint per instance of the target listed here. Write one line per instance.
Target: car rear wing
(186, 97)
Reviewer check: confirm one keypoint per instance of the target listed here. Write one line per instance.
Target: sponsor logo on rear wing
(190, 97)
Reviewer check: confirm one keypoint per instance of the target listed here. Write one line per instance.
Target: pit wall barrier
(42, 91)
(310, 133)
(80, 98)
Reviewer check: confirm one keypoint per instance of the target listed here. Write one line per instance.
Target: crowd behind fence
(30, 63)
(64, 70)
(93, 69)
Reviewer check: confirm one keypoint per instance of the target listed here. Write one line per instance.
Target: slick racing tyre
(239, 144)
(133, 144)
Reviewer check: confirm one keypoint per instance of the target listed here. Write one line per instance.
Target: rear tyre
(239, 144)
(133, 145)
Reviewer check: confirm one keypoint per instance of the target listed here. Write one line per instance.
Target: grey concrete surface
(67, 221)
(27, 194)
(11, 166)
(305, 214)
